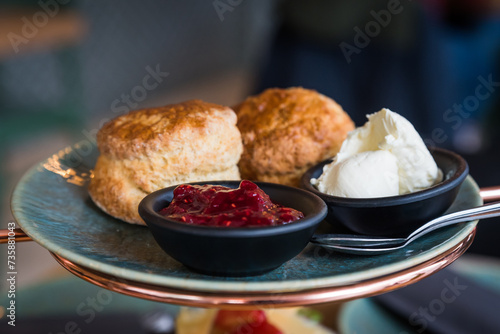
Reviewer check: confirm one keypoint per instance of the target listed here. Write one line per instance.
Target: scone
(286, 131)
(149, 149)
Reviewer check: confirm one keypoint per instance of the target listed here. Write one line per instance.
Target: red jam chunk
(236, 322)
(213, 205)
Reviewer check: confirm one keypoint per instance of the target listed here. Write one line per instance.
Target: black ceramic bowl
(395, 215)
(238, 251)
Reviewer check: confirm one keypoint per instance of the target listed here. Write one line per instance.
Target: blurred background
(68, 66)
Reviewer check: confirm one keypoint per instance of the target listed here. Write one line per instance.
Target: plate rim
(265, 299)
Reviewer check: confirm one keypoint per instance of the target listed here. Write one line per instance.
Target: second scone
(149, 149)
(286, 131)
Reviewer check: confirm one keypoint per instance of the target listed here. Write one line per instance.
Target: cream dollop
(384, 157)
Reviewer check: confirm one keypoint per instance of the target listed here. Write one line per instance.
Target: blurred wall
(189, 40)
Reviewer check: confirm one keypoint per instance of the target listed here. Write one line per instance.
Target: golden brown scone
(149, 149)
(286, 131)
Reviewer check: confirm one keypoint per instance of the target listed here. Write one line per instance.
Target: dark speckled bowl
(395, 215)
(241, 251)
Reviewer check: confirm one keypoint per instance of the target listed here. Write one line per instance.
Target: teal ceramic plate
(52, 206)
(363, 316)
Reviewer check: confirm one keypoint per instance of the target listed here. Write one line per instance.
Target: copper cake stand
(266, 299)
(269, 299)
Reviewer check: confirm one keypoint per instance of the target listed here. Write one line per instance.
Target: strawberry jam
(213, 205)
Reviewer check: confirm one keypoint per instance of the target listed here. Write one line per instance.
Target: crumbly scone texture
(286, 131)
(149, 149)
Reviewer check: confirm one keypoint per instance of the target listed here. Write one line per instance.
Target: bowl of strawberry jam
(232, 228)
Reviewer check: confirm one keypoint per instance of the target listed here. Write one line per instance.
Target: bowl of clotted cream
(384, 180)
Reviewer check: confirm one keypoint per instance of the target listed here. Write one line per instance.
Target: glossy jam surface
(213, 205)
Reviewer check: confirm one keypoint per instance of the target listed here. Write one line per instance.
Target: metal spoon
(372, 245)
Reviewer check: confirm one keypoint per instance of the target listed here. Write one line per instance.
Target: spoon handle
(480, 215)
(456, 217)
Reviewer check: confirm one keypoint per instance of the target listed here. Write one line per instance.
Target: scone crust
(164, 128)
(149, 149)
(286, 131)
